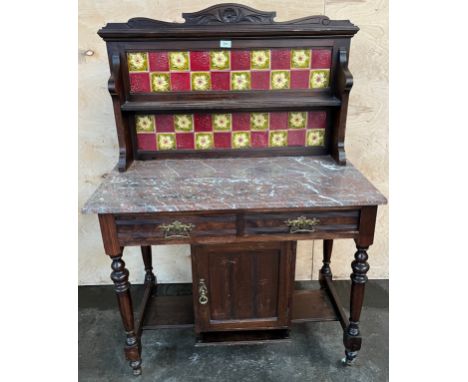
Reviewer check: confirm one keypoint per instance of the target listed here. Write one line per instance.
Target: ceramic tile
(280, 59)
(220, 60)
(319, 78)
(158, 61)
(202, 122)
(260, 59)
(199, 61)
(164, 123)
(315, 137)
(221, 122)
(278, 138)
(240, 140)
(240, 80)
(297, 120)
(183, 122)
(278, 121)
(259, 138)
(300, 79)
(203, 141)
(317, 120)
(259, 121)
(240, 60)
(137, 62)
(321, 59)
(240, 121)
(146, 142)
(140, 83)
(260, 80)
(179, 61)
(185, 141)
(166, 141)
(296, 137)
(280, 79)
(160, 82)
(222, 140)
(300, 58)
(144, 123)
(220, 80)
(201, 81)
(180, 81)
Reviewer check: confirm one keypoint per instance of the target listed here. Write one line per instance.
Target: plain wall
(366, 135)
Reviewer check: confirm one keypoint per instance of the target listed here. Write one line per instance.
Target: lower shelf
(177, 311)
(244, 337)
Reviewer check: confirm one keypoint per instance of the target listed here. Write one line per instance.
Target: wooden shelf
(285, 103)
(177, 311)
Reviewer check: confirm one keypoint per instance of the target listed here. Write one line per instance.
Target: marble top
(232, 183)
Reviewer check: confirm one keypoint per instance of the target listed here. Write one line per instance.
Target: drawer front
(174, 227)
(301, 222)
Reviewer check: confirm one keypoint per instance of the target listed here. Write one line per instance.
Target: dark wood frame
(245, 27)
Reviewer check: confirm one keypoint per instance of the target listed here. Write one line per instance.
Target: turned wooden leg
(147, 260)
(325, 271)
(352, 337)
(132, 349)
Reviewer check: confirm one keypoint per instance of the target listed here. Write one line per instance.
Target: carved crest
(229, 14)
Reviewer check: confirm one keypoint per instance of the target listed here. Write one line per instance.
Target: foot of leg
(136, 366)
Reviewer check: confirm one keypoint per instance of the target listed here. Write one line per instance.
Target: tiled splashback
(230, 130)
(229, 70)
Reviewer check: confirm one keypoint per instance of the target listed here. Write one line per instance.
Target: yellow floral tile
(300, 58)
(160, 82)
(297, 120)
(240, 139)
(221, 122)
(260, 59)
(240, 80)
(219, 60)
(137, 62)
(201, 81)
(258, 121)
(179, 60)
(183, 122)
(319, 78)
(315, 137)
(144, 123)
(166, 141)
(280, 79)
(203, 141)
(278, 138)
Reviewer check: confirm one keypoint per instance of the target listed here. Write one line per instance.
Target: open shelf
(288, 102)
(177, 311)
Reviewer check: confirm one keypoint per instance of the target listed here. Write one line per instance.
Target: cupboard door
(242, 286)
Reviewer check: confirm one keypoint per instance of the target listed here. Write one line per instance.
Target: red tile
(159, 61)
(185, 141)
(321, 59)
(260, 80)
(199, 61)
(296, 137)
(280, 59)
(202, 122)
(180, 81)
(300, 79)
(240, 59)
(146, 142)
(259, 138)
(317, 120)
(139, 83)
(222, 140)
(220, 80)
(164, 123)
(278, 121)
(240, 121)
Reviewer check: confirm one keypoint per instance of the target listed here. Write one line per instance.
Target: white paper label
(225, 44)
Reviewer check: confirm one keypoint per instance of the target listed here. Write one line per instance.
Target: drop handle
(301, 224)
(176, 229)
(202, 292)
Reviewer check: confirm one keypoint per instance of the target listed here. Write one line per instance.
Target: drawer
(301, 222)
(173, 227)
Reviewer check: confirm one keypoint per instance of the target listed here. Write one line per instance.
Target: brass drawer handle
(202, 292)
(176, 229)
(302, 224)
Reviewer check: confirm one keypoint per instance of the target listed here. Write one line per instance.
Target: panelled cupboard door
(244, 286)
